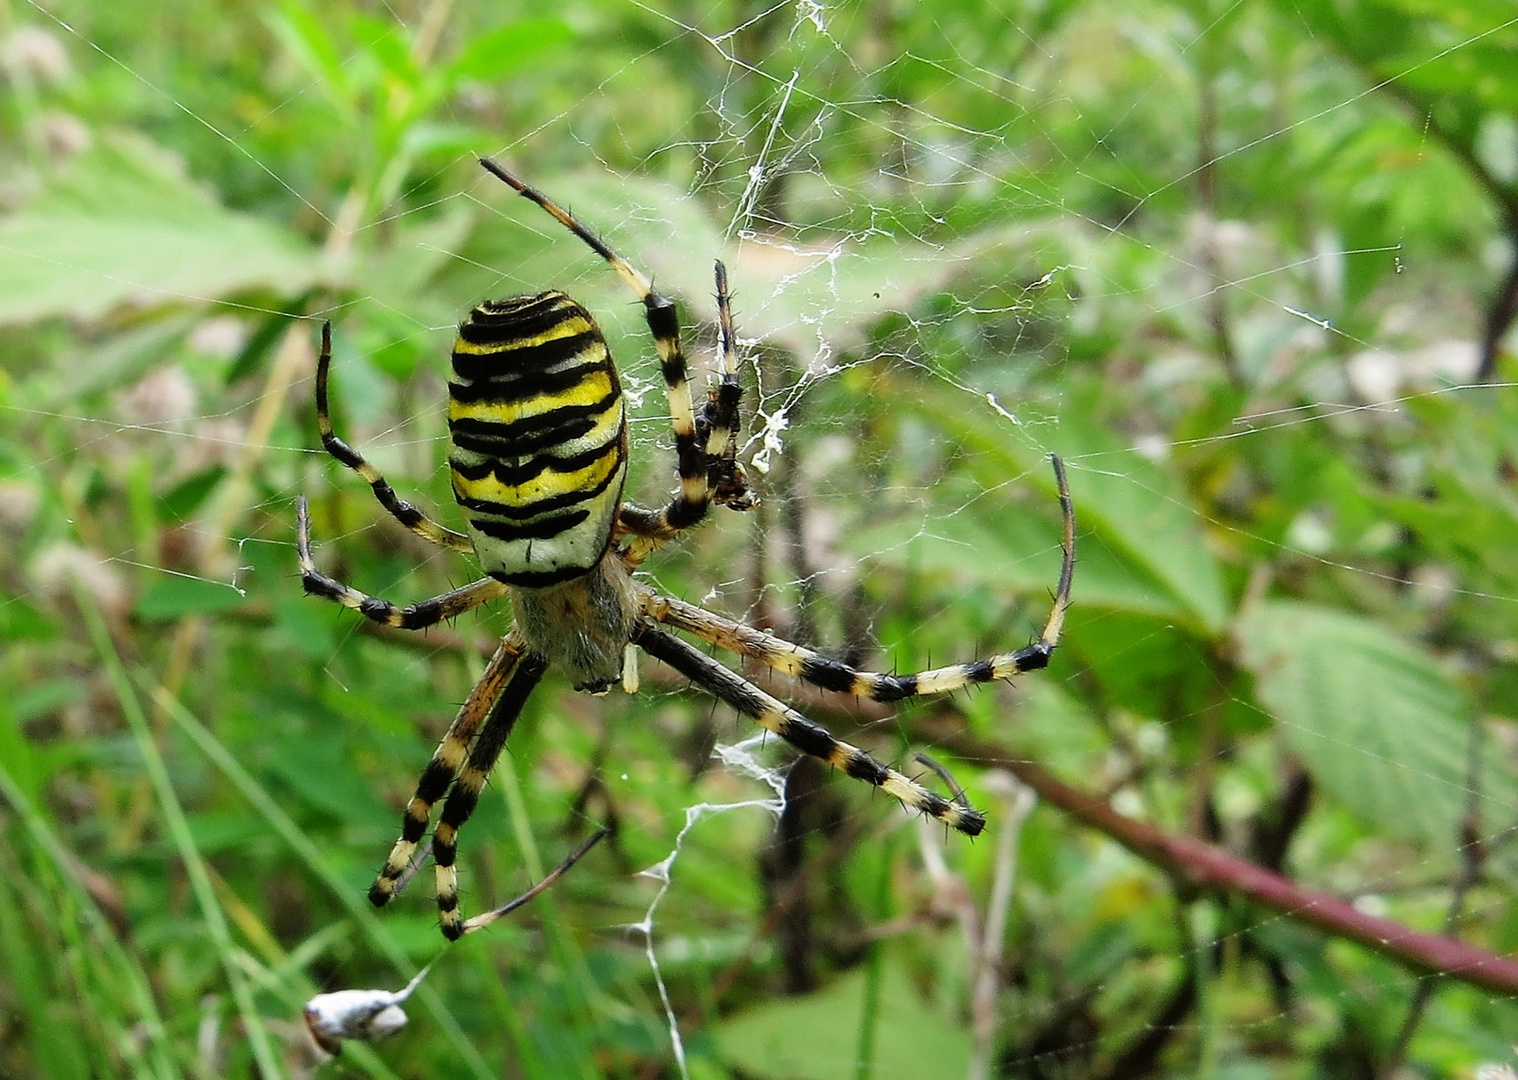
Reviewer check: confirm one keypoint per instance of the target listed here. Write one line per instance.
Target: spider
(538, 429)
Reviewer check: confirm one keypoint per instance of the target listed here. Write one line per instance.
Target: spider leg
(942, 772)
(479, 922)
(807, 736)
(399, 508)
(503, 714)
(446, 762)
(717, 429)
(414, 617)
(689, 504)
(720, 416)
(819, 670)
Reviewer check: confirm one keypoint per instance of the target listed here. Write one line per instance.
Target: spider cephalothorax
(537, 422)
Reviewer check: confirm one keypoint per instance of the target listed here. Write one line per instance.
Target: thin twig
(1016, 800)
(1472, 858)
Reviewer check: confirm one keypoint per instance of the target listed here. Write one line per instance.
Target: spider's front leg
(719, 424)
(821, 671)
(705, 445)
(398, 508)
(715, 444)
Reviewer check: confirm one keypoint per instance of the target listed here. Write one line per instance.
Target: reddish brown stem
(1207, 867)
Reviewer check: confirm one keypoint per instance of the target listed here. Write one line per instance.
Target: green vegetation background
(1246, 266)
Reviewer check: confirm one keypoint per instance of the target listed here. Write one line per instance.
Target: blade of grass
(38, 1002)
(269, 1063)
(571, 960)
(145, 1050)
(869, 1008)
(310, 855)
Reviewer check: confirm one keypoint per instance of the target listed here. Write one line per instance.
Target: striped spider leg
(479, 922)
(720, 417)
(399, 509)
(486, 704)
(820, 671)
(417, 616)
(503, 713)
(706, 470)
(463, 760)
(805, 735)
(717, 429)
(338, 1016)
(460, 767)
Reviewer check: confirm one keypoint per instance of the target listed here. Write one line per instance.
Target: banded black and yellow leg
(690, 503)
(807, 736)
(717, 429)
(413, 617)
(447, 760)
(399, 508)
(813, 667)
(471, 781)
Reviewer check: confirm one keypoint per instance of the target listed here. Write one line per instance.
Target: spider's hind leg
(447, 760)
(465, 795)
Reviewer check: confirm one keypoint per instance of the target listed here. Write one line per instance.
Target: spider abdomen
(539, 434)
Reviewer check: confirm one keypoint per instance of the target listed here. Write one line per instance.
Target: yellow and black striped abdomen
(539, 434)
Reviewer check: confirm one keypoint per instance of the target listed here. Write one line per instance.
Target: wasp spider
(539, 454)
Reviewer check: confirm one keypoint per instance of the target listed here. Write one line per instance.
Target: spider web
(960, 238)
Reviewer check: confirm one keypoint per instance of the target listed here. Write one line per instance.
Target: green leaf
(814, 1037)
(259, 347)
(318, 769)
(124, 225)
(387, 46)
(1376, 721)
(508, 49)
(17, 752)
(309, 40)
(443, 141)
(173, 597)
(20, 621)
(185, 497)
(422, 249)
(1138, 547)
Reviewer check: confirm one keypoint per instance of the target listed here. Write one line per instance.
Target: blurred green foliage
(1244, 266)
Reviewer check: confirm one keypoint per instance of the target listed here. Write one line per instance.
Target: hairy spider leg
(805, 735)
(399, 508)
(416, 616)
(821, 671)
(447, 760)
